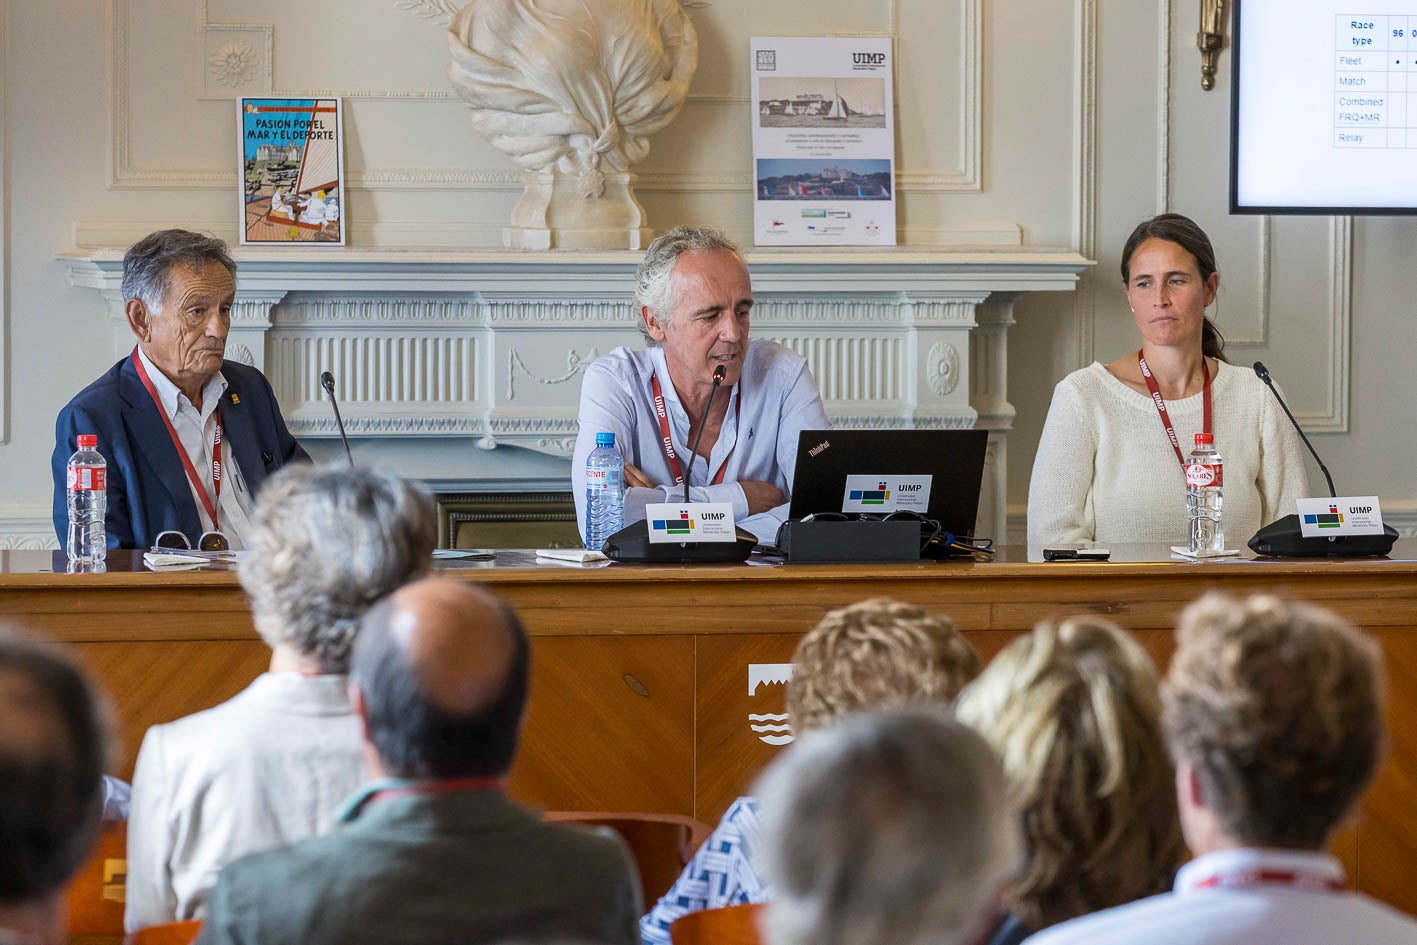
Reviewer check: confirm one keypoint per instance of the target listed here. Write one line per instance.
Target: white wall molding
(1084, 235)
(124, 175)
(1163, 107)
(4, 226)
(26, 527)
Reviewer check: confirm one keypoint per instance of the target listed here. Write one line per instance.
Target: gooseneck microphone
(719, 373)
(327, 381)
(1285, 538)
(1263, 373)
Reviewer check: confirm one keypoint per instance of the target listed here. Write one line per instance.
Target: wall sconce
(1210, 39)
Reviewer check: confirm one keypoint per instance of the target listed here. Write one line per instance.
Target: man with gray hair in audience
(431, 851)
(270, 766)
(693, 296)
(53, 746)
(889, 828)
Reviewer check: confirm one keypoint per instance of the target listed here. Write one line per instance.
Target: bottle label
(88, 478)
(1201, 475)
(601, 480)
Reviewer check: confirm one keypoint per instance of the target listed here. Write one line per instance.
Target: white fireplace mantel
(492, 344)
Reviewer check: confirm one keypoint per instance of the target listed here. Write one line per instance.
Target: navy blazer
(148, 490)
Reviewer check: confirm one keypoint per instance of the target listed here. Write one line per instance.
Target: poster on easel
(292, 171)
(823, 141)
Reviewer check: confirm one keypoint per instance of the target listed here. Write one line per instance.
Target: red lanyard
(667, 441)
(1161, 404)
(447, 786)
(1253, 876)
(210, 503)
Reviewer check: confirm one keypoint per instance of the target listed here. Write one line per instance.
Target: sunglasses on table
(178, 541)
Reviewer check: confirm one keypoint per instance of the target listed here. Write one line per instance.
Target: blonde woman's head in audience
(879, 653)
(326, 544)
(1274, 715)
(1074, 712)
(887, 827)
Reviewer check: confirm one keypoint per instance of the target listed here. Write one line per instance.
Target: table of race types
(1375, 81)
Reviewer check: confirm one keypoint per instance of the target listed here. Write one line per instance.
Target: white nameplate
(674, 522)
(887, 494)
(1346, 515)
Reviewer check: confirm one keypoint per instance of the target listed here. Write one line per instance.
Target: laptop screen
(935, 472)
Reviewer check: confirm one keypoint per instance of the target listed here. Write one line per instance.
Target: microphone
(719, 373)
(327, 381)
(632, 543)
(1263, 373)
(1285, 538)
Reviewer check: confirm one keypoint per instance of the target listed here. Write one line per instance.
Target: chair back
(662, 844)
(169, 933)
(730, 925)
(94, 896)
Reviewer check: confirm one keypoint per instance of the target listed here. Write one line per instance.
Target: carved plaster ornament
(572, 90)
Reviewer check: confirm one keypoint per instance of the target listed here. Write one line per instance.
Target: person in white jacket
(1110, 466)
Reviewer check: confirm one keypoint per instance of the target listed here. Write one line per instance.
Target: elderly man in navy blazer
(189, 436)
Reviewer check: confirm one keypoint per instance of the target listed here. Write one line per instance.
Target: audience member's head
(440, 674)
(53, 747)
(1074, 712)
(1274, 716)
(890, 827)
(878, 653)
(327, 543)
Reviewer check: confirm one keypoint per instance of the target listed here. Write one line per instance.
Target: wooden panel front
(610, 725)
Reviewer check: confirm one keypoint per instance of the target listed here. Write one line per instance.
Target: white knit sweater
(1105, 470)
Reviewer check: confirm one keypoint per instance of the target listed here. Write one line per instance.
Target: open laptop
(951, 462)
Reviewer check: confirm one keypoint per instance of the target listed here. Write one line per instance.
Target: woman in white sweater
(1109, 468)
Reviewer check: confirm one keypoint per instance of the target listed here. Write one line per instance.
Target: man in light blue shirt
(695, 296)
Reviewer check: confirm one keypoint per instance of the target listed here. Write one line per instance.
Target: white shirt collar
(1318, 865)
(173, 399)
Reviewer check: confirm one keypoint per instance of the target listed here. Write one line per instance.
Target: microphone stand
(1263, 373)
(719, 373)
(327, 381)
(1285, 538)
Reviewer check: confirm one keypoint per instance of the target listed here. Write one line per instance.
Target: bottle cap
(1205, 439)
(86, 441)
(605, 439)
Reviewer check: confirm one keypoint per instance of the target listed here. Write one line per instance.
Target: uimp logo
(868, 59)
(771, 728)
(877, 496)
(1333, 518)
(683, 525)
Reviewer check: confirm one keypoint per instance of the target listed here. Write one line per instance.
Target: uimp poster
(823, 142)
(292, 171)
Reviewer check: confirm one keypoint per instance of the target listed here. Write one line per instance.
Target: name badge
(1347, 515)
(887, 494)
(673, 522)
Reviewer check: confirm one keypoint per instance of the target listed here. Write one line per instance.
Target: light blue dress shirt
(759, 438)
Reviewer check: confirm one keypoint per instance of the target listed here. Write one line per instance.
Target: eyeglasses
(178, 541)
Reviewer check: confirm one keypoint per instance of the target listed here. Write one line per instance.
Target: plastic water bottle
(1204, 482)
(88, 503)
(604, 492)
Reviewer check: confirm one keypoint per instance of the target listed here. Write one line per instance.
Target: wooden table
(644, 677)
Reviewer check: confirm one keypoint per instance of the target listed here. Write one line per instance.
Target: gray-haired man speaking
(694, 299)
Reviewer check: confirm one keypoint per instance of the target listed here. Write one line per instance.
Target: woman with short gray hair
(268, 767)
